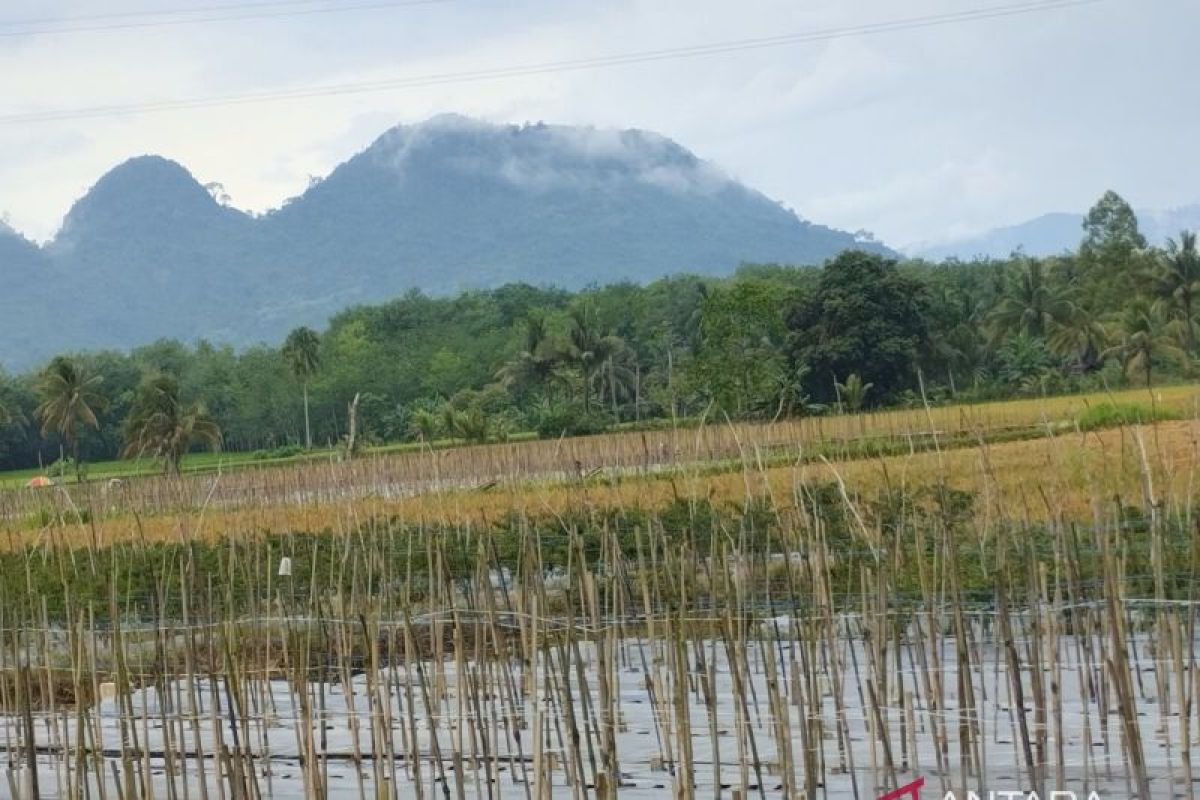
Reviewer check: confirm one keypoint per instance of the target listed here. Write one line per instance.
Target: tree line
(767, 342)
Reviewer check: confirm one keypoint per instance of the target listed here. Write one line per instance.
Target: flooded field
(764, 711)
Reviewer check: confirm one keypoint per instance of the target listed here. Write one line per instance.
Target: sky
(919, 135)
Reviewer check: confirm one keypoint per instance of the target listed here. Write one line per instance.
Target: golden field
(1053, 470)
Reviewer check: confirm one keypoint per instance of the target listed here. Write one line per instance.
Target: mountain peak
(443, 205)
(541, 157)
(150, 174)
(142, 191)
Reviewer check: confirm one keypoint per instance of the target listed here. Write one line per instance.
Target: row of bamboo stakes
(330, 479)
(689, 662)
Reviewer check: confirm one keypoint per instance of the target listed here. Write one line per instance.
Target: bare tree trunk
(307, 427)
(75, 458)
(612, 388)
(1191, 330)
(352, 436)
(671, 382)
(637, 391)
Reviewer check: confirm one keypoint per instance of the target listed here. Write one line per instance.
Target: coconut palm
(961, 346)
(1031, 304)
(161, 426)
(535, 363)
(302, 352)
(1176, 280)
(594, 351)
(1079, 338)
(69, 397)
(1144, 339)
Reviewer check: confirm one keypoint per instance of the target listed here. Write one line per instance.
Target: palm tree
(1177, 281)
(960, 347)
(424, 424)
(68, 397)
(1080, 338)
(161, 426)
(619, 375)
(1025, 362)
(536, 361)
(1144, 338)
(1030, 305)
(302, 352)
(593, 351)
(853, 392)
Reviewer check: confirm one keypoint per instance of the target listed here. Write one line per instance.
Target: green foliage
(1145, 341)
(740, 361)
(853, 392)
(302, 352)
(570, 420)
(865, 317)
(1113, 254)
(162, 426)
(235, 575)
(279, 453)
(70, 398)
(1111, 230)
(769, 341)
(1175, 281)
(1111, 415)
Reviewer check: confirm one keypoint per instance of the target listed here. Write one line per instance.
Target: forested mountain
(29, 280)
(442, 206)
(767, 341)
(1054, 234)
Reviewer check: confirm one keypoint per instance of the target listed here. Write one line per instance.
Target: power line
(549, 67)
(127, 20)
(107, 15)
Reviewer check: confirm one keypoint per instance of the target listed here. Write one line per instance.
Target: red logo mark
(912, 790)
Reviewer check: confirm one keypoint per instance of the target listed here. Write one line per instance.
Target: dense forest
(769, 341)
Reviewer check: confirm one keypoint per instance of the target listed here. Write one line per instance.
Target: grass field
(1014, 454)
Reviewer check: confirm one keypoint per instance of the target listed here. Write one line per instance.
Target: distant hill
(449, 204)
(37, 301)
(1054, 233)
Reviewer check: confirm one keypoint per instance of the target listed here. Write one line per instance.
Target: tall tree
(740, 361)
(1111, 228)
(302, 351)
(159, 425)
(590, 349)
(864, 317)
(1113, 249)
(69, 397)
(1177, 281)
